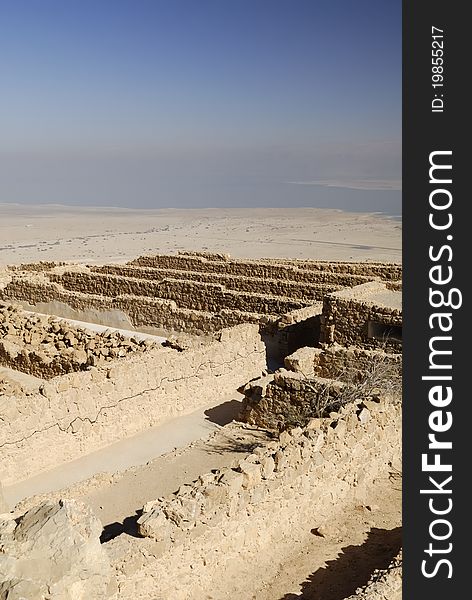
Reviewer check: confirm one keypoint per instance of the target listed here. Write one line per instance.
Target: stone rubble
(47, 347)
(333, 435)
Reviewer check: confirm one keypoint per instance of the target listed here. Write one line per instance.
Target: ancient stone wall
(203, 293)
(42, 265)
(338, 362)
(203, 526)
(305, 291)
(348, 316)
(319, 381)
(141, 311)
(287, 399)
(307, 271)
(47, 347)
(388, 272)
(53, 551)
(294, 323)
(78, 413)
(186, 294)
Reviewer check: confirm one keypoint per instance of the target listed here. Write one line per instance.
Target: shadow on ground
(352, 569)
(128, 526)
(224, 413)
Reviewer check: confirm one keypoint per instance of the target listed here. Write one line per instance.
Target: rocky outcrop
(53, 552)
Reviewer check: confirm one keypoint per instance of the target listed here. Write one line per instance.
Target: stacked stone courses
(46, 347)
(347, 314)
(186, 294)
(267, 268)
(299, 290)
(250, 312)
(190, 292)
(91, 355)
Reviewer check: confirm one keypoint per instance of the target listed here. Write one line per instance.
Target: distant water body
(187, 194)
(274, 195)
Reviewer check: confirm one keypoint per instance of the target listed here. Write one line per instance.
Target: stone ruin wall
(78, 413)
(46, 347)
(340, 362)
(42, 265)
(186, 294)
(299, 290)
(201, 528)
(141, 311)
(284, 399)
(267, 268)
(325, 463)
(345, 321)
(192, 292)
(205, 524)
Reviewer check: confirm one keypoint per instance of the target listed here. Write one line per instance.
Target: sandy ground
(136, 450)
(359, 539)
(98, 235)
(164, 458)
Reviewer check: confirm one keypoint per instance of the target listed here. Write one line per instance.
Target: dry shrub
(382, 378)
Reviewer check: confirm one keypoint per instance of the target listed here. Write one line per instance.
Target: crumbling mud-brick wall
(368, 315)
(77, 413)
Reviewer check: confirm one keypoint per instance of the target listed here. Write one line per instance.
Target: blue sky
(197, 102)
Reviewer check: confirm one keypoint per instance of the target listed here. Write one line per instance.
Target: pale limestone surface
(53, 551)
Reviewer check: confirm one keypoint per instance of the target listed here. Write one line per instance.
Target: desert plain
(32, 233)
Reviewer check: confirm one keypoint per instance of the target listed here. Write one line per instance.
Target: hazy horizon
(180, 104)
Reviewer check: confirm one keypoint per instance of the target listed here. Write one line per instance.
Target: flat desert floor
(32, 233)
